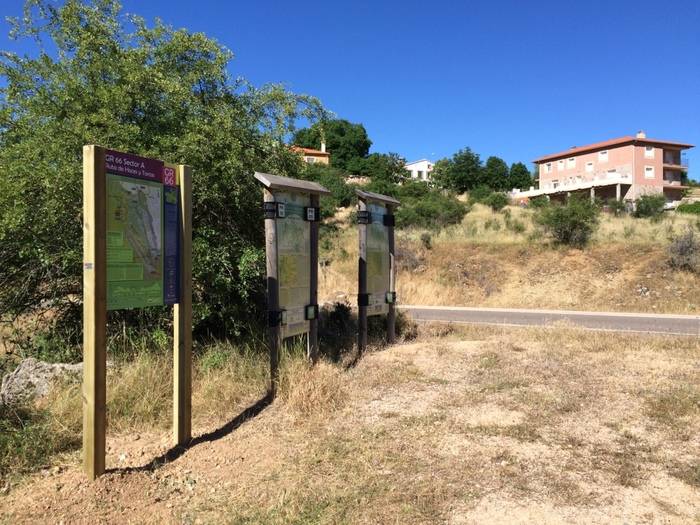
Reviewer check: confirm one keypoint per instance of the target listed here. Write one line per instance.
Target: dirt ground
(477, 426)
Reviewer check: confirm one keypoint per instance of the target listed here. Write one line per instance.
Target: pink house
(623, 169)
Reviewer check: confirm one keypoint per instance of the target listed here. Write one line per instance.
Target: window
(548, 167)
(648, 172)
(560, 165)
(555, 184)
(649, 152)
(603, 156)
(589, 167)
(420, 174)
(571, 163)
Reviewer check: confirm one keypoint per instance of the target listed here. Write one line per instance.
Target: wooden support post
(391, 315)
(362, 284)
(182, 319)
(312, 350)
(94, 310)
(273, 300)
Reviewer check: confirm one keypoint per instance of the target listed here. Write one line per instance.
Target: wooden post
(182, 318)
(391, 315)
(362, 284)
(312, 350)
(273, 300)
(94, 310)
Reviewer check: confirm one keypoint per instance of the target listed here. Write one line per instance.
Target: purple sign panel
(129, 165)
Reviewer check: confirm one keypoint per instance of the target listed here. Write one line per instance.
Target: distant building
(314, 156)
(420, 169)
(623, 169)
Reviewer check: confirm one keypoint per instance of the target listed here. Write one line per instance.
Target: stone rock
(32, 379)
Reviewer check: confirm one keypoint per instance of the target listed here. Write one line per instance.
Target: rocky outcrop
(32, 379)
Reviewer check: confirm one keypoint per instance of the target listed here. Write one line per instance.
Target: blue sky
(511, 78)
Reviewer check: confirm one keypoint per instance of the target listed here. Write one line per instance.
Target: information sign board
(378, 260)
(142, 232)
(293, 260)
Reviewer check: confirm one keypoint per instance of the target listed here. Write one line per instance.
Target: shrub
(539, 202)
(333, 179)
(480, 194)
(426, 240)
(427, 208)
(616, 207)
(496, 201)
(684, 252)
(571, 224)
(650, 206)
(689, 207)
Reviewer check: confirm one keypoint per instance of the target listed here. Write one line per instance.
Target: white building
(420, 169)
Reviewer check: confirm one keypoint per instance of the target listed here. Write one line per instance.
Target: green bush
(650, 206)
(496, 201)
(689, 207)
(538, 202)
(479, 194)
(571, 224)
(616, 207)
(334, 180)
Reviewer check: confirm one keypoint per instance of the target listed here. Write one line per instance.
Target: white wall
(420, 170)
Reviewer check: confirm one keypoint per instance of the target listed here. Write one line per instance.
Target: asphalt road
(608, 321)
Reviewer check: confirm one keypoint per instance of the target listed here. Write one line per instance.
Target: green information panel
(134, 232)
(378, 262)
(294, 263)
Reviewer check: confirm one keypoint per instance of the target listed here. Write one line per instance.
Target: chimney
(641, 134)
(323, 146)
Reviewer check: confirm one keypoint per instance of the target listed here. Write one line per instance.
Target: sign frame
(364, 200)
(273, 186)
(94, 388)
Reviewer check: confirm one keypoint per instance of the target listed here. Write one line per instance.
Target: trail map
(293, 253)
(378, 263)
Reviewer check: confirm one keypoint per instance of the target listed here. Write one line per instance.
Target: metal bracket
(311, 312)
(274, 318)
(362, 299)
(312, 214)
(390, 298)
(388, 220)
(364, 217)
(271, 210)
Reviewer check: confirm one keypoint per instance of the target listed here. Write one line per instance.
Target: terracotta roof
(310, 151)
(608, 143)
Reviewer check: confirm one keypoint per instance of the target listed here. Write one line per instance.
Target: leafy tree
(388, 167)
(495, 173)
(570, 224)
(333, 179)
(519, 177)
(346, 142)
(497, 201)
(156, 91)
(461, 173)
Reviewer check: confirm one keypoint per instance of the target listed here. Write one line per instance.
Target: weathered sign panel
(378, 261)
(293, 260)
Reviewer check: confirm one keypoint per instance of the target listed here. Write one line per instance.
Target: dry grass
(624, 269)
(477, 426)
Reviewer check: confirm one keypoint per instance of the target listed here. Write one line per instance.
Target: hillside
(476, 426)
(500, 260)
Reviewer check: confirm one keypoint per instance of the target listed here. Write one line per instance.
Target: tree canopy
(345, 141)
(113, 80)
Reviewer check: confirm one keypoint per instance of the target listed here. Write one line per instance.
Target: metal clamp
(388, 220)
(364, 217)
(390, 297)
(362, 299)
(271, 210)
(312, 214)
(310, 312)
(274, 318)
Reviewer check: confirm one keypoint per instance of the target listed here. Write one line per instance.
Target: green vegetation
(154, 90)
(571, 224)
(689, 207)
(650, 206)
(684, 252)
(347, 142)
